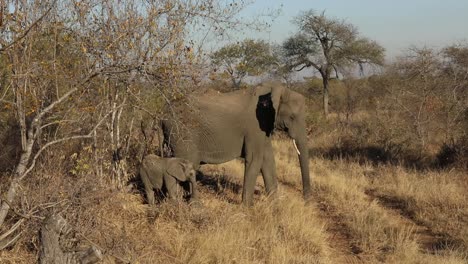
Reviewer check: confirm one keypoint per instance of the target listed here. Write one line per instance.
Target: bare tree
(70, 68)
(428, 93)
(328, 45)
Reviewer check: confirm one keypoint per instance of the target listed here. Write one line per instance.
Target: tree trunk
(15, 181)
(53, 233)
(236, 83)
(325, 95)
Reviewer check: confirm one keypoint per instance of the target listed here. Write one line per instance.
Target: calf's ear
(176, 170)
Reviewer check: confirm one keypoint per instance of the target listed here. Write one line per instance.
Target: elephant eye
(292, 117)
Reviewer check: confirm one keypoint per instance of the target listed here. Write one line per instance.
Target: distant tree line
(328, 45)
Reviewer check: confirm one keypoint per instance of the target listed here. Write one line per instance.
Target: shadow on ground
(374, 155)
(448, 156)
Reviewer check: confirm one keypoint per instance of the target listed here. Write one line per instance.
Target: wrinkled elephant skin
(217, 127)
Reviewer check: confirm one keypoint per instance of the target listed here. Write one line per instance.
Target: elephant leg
(253, 164)
(148, 187)
(193, 187)
(171, 186)
(269, 170)
(149, 194)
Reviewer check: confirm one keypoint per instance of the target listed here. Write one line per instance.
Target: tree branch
(26, 32)
(56, 122)
(38, 118)
(303, 67)
(89, 135)
(2, 100)
(11, 230)
(7, 102)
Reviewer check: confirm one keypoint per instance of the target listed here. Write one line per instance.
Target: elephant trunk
(303, 154)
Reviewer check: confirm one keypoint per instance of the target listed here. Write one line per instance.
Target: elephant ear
(176, 170)
(277, 93)
(265, 113)
(270, 96)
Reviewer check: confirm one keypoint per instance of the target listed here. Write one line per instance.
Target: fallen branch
(4, 243)
(52, 232)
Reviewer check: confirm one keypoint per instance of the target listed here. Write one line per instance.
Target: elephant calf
(156, 171)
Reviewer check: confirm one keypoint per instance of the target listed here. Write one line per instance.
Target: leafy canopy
(249, 57)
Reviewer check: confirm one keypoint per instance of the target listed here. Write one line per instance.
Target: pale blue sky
(396, 24)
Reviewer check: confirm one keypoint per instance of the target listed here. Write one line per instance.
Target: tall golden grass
(349, 219)
(383, 234)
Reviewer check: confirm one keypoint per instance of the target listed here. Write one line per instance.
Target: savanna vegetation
(82, 88)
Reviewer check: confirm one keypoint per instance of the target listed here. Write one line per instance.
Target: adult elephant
(215, 127)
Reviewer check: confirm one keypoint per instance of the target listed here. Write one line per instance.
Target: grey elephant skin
(213, 128)
(156, 171)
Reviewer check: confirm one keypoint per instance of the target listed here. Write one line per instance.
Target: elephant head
(288, 114)
(181, 169)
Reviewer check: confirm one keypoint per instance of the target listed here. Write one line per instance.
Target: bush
(10, 142)
(453, 154)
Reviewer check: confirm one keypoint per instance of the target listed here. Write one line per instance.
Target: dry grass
(438, 200)
(349, 220)
(220, 232)
(378, 232)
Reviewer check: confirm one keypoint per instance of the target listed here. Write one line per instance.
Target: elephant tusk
(298, 152)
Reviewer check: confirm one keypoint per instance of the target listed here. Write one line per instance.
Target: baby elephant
(154, 171)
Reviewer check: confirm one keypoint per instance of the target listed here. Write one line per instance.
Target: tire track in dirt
(340, 238)
(396, 208)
